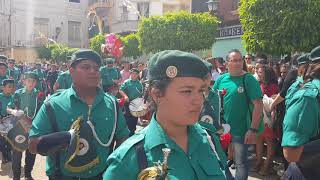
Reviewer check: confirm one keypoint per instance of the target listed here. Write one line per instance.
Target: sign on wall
(230, 31)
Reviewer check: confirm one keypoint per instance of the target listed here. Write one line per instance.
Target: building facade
(127, 13)
(230, 30)
(31, 23)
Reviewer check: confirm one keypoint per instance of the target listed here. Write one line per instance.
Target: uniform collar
(155, 135)
(316, 82)
(98, 99)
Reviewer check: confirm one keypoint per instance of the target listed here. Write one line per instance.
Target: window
(41, 30)
(74, 1)
(74, 29)
(143, 8)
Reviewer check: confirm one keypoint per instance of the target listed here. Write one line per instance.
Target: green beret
(315, 54)
(110, 60)
(135, 70)
(3, 64)
(174, 63)
(7, 81)
(208, 65)
(85, 54)
(3, 57)
(31, 75)
(303, 59)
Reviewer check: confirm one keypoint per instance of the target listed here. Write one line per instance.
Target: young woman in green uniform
(173, 136)
(301, 125)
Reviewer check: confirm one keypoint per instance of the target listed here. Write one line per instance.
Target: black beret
(31, 75)
(110, 60)
(303, 59)
(3, 57)
(11, 60)
(3, 64)
(174, 63)
(315, 54)
(7, 81)
(85, 54)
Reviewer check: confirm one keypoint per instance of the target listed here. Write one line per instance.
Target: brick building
(230, 29)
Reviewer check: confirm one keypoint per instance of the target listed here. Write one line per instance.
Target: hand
(250, 137)
(126, 99)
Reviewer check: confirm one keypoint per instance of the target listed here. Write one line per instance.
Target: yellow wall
(21, 54)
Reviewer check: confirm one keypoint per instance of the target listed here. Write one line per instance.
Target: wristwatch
(253, 130)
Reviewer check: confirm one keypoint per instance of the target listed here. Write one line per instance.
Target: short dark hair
(232, 51)
(161, 85)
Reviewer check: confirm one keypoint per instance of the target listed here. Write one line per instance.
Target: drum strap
(53, 122)
(141, 156)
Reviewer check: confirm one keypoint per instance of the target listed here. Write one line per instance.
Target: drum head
(7, 123)
(137, 105)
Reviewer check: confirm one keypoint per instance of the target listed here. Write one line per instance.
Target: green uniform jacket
(200, 162)
(236, 108)
(41, 76)
(133, 89)
(108, 74)
(68, 107)
(210, 108)
(4, 101)
(302, 118)
(64, 80)
(26, 101)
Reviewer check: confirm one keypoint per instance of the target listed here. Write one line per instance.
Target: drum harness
(52, 119)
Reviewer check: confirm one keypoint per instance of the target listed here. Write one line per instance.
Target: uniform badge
(172, 71)
(240, 89)
(207, 119)
(83, 147)
(20, 139)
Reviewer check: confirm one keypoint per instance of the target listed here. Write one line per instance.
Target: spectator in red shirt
(269, 87)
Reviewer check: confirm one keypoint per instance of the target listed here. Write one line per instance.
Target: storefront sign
(230, 31)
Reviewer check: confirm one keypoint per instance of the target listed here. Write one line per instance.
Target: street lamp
(213, 6)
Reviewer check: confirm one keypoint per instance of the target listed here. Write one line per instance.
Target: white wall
(59, 12)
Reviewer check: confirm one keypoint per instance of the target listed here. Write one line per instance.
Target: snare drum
(138, 108)
(19, 134)
(6, 124)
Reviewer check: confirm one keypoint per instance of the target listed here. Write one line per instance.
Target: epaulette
(129, 144)
(56, 94)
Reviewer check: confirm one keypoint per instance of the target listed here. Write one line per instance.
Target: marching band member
(24, 100)
(301, 125)
(173, 135)
(130, 90)
(82, 118)
(110, 76)
(3, 71)
(5, 99)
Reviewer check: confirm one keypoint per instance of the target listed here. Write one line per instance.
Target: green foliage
(179, 30)
(60, 52)
(96, 42)
(44, 52)
(131, 46)
(56, 52)
(280, 26)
